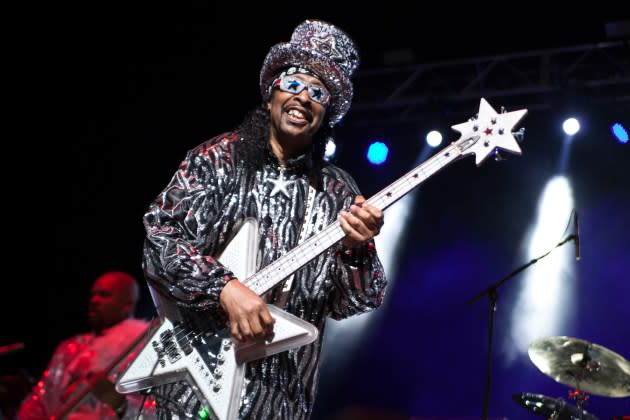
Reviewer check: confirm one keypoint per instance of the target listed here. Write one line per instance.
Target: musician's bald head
(113, 299)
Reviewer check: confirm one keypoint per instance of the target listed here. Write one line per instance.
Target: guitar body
(213, 363)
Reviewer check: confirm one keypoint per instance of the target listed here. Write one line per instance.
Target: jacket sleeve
(359, 281)
(45, 396)
(33, 406)
(179, 224)
(357, 275)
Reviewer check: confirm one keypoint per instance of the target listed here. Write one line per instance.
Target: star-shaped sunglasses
(293, 85)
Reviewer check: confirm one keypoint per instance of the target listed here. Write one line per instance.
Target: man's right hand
(248, 314)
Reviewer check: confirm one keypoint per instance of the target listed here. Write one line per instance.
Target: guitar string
(434, 164)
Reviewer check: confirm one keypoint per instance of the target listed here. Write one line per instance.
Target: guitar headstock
(489, 132)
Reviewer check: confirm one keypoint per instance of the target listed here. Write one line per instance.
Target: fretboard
(299, 256)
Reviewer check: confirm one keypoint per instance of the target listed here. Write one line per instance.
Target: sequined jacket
(195, 215)
(73, 361)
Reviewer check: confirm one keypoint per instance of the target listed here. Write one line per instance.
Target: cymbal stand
(493, 296)
(580, 397)
(586, 363)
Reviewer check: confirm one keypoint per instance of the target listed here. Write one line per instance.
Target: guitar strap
(310, 203)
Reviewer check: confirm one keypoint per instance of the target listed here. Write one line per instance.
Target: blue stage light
(620, 133)
(377, 153)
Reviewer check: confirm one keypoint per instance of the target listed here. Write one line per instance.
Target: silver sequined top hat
(323, 49)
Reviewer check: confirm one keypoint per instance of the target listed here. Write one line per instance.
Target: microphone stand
(493, 296)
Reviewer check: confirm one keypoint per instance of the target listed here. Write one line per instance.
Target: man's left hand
(362, 223)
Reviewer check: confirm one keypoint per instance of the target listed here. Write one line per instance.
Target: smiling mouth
(297, 116)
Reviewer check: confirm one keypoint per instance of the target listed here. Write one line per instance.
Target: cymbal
(582, 365)
(551, 408)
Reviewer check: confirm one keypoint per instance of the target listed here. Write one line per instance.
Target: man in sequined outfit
(271, 169)
(78, 383)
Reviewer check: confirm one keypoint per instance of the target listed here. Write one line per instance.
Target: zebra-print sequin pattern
(193, 219)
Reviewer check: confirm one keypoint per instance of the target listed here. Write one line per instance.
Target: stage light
(434, 138)
(543, 306)
(377, 153)
(571, 126)
(620, 133)
(331, 148)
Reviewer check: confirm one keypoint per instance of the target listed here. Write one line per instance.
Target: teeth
(295, 113)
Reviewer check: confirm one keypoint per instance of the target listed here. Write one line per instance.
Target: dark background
(129, 89)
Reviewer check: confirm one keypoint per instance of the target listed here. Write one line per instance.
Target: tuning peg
(503, 110)
(520, 134)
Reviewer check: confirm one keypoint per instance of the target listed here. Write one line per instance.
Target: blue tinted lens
(292, 85)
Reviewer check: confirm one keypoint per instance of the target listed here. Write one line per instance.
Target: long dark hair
(254, 132)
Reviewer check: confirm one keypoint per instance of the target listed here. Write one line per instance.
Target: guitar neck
(299, 256)
(405, 184)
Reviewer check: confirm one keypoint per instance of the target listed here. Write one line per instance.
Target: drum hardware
(586, 367)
